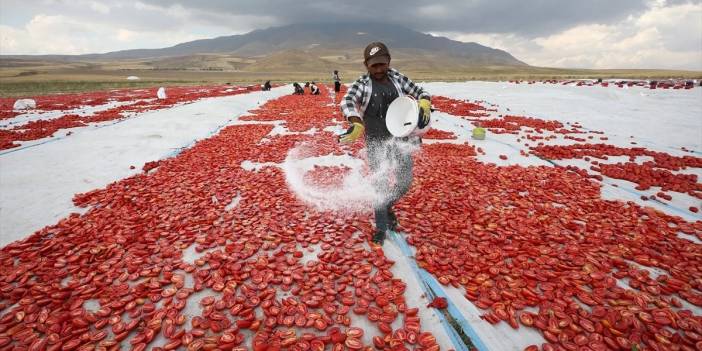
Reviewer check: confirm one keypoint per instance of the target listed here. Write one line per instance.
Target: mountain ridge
(311, 36)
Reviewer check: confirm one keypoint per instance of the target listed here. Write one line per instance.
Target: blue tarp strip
(433, 288)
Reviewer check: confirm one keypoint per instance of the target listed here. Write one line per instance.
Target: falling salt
(355, 192)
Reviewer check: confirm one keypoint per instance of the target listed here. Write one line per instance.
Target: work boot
(379, 237)
(392, 220)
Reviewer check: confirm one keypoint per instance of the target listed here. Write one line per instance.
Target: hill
(334, 36)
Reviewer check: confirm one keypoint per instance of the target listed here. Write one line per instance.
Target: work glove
(352, 133)
(424, 113)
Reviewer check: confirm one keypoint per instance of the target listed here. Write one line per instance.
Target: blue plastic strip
(453, 335)
(433, 288)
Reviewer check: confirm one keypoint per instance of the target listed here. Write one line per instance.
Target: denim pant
(390, 162)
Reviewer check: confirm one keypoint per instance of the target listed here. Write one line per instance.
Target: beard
(379, 75)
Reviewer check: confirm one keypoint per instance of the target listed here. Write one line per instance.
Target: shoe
(378, 237)
(392, 220)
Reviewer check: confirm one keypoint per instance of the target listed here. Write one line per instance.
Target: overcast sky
(553, 33)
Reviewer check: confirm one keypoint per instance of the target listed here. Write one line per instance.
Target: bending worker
(365, 106)
(298, 89)
(314, 89)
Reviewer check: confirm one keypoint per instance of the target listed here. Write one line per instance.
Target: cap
(376, 52)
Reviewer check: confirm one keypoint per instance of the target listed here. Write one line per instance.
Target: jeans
(390, 162)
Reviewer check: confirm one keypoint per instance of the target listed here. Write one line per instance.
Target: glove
(352, 133)
(424, 113)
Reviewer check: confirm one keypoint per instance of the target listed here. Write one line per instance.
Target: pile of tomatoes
(538, 247)
(269, 272)
(533, 247)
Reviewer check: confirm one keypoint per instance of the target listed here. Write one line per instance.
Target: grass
(34, 88)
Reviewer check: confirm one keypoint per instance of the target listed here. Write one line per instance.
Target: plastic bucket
(402, 118)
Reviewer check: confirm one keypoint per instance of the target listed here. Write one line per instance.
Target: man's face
(378, 70)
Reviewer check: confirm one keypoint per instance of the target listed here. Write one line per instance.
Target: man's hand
(352, 133)
(424, 113)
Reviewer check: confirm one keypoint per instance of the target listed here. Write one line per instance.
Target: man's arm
(349, 107)
(409, 88)
(350, 102)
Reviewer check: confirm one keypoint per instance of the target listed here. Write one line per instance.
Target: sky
(598, 34)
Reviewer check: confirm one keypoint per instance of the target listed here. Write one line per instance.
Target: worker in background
(314, 89)
(298, 89)
(337, 81)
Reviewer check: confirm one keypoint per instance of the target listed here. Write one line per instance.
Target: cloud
(680, 26)
(529, 18)
(57, 34)
(46, 34)
(86, 26)
(99, 7)
(126, 35)
(434, 11)
(587, 33)
(665, 36)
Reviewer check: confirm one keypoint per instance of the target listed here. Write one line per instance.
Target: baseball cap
(376, 52)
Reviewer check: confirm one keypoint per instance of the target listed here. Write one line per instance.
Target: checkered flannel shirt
(358, 96)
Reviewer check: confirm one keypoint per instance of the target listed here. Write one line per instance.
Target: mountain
(321, 36)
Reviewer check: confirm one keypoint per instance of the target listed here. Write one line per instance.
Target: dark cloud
(527, 18)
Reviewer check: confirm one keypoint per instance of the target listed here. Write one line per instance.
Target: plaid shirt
(358, 96)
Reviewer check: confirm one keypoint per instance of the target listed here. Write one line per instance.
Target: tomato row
(458, 107)
(676, 84)
(143, 100)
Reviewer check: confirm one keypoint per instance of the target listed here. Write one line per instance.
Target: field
(228, 216)
(26, 77)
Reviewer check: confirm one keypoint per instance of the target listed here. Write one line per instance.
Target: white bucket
(402, 118)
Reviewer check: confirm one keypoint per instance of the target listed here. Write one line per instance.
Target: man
(314, 89)
(337, 82)
(267, 86)
(298, 89)
(365, 106)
